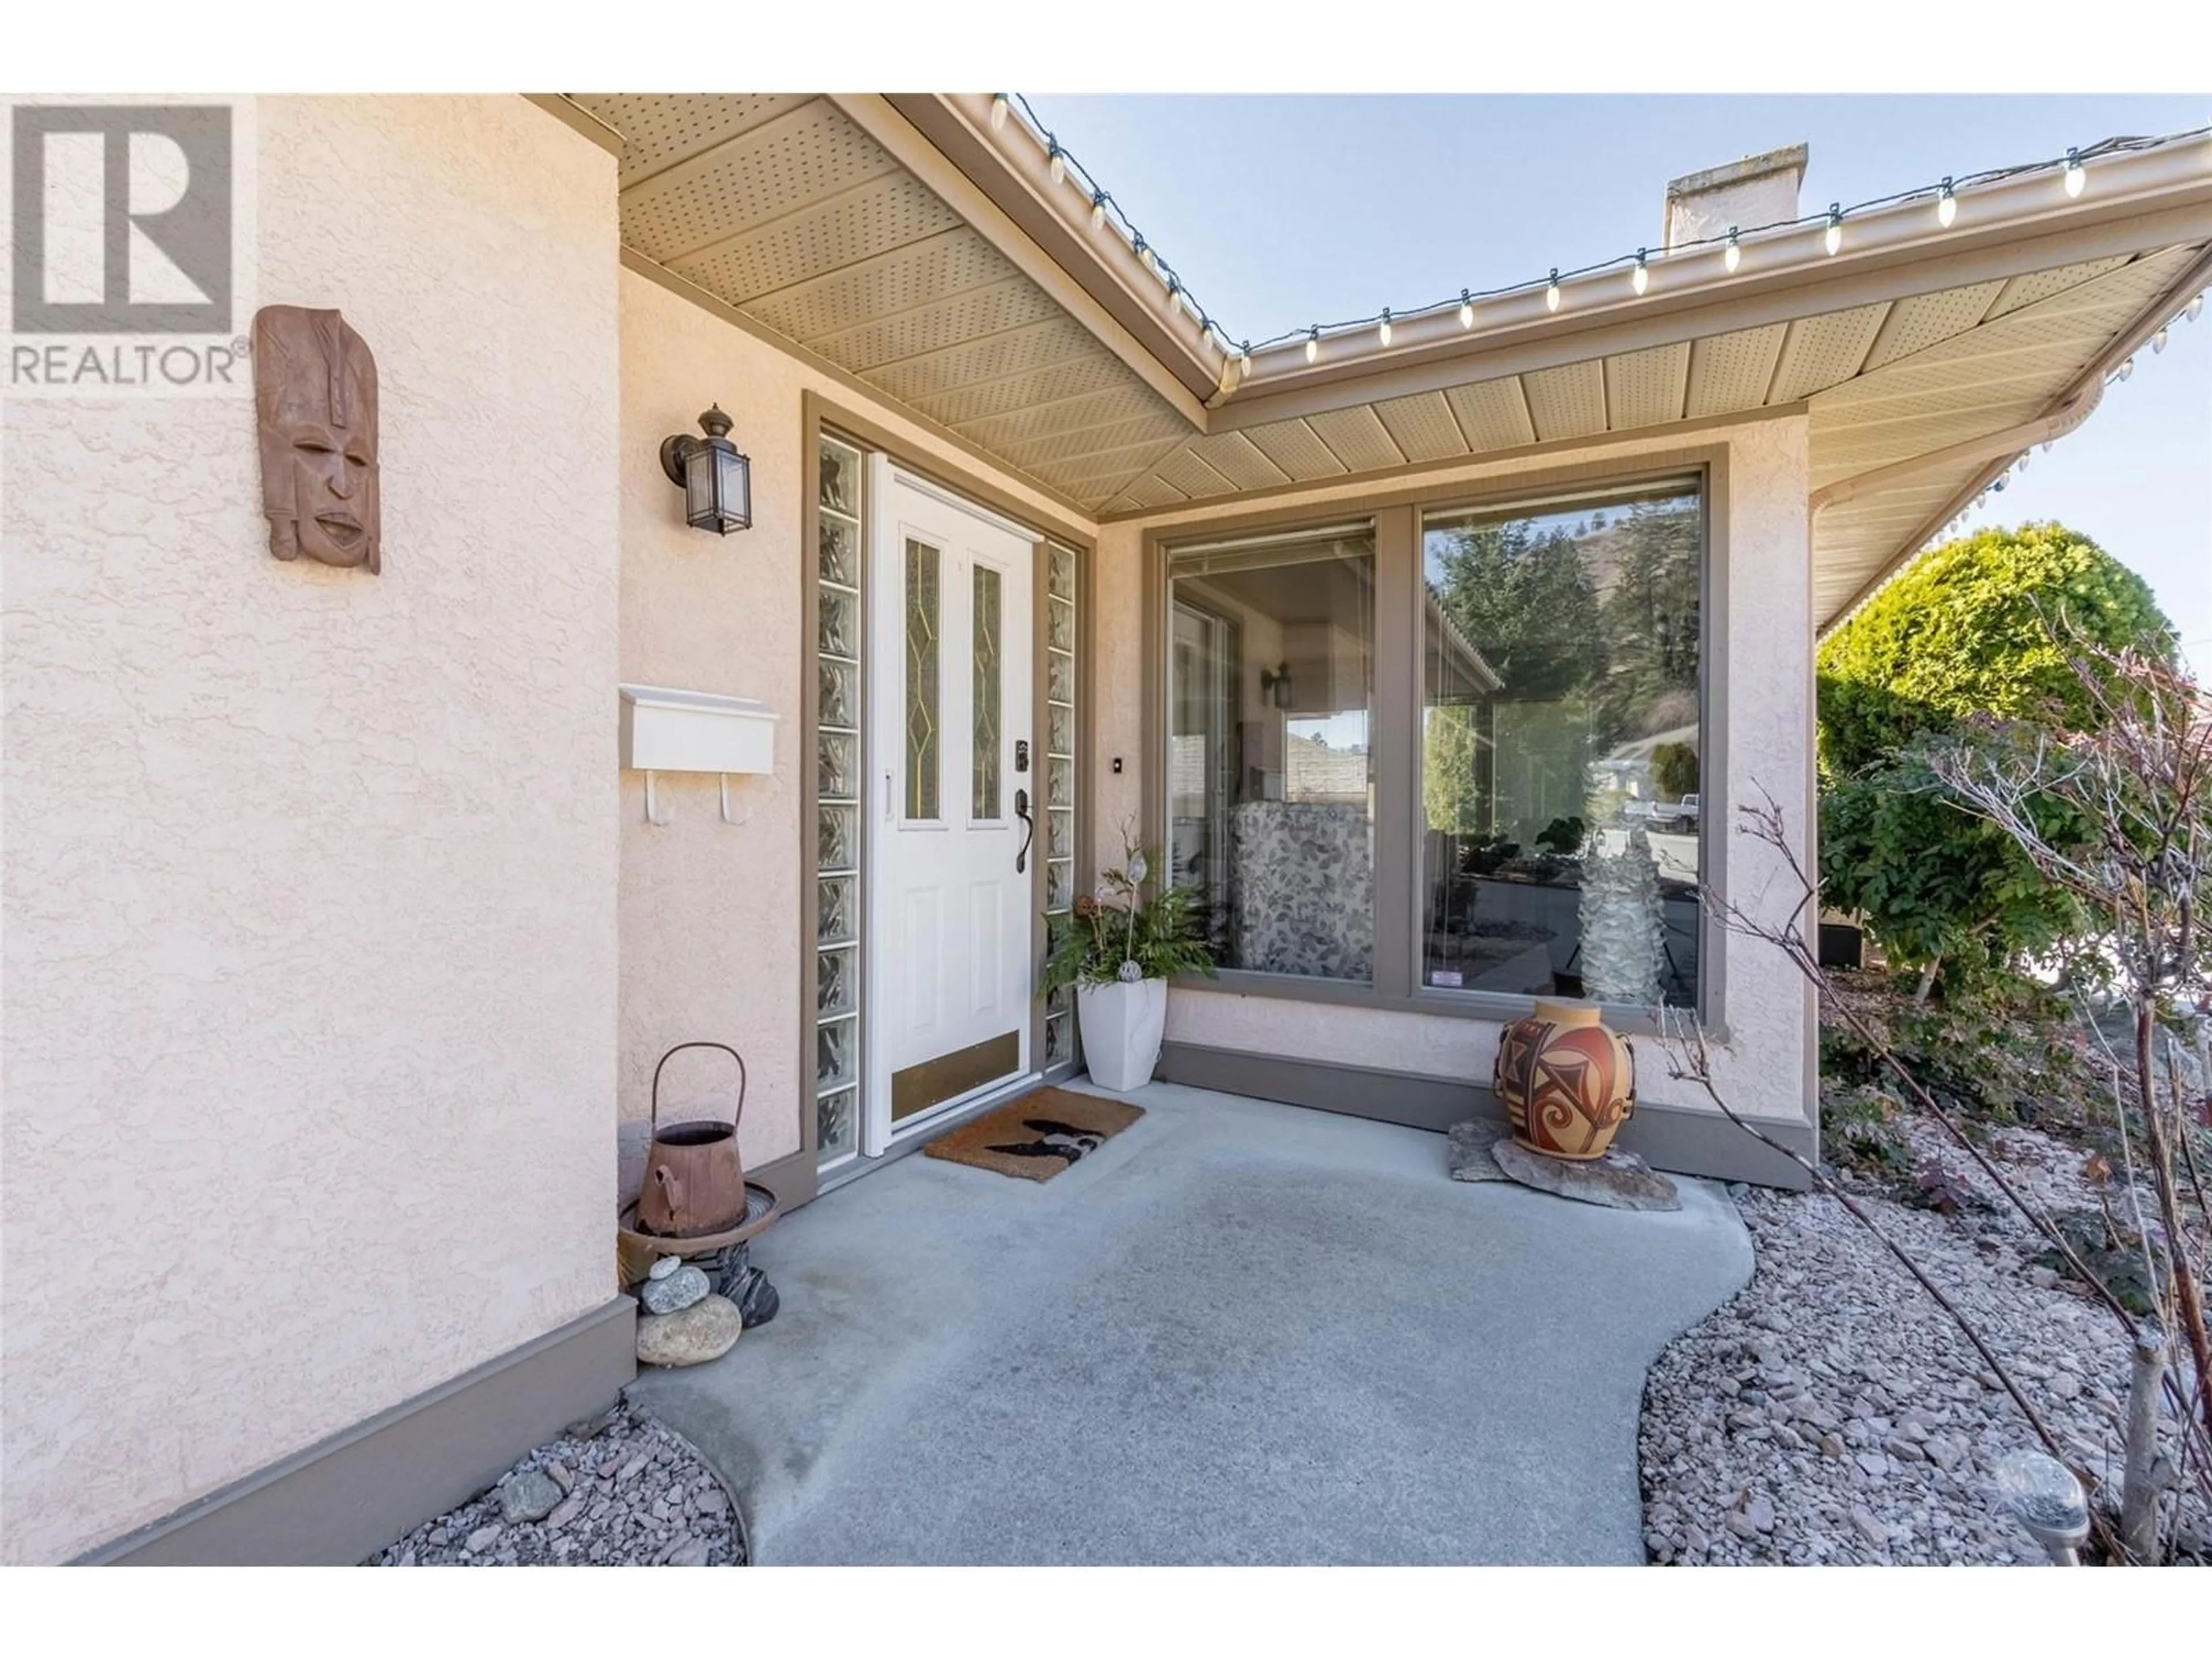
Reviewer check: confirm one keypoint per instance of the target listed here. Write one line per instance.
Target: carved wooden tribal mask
(314, 403)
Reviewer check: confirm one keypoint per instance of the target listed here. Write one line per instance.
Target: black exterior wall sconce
(1277, 685)
(716, 481)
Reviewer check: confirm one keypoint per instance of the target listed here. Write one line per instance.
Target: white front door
(950, 886)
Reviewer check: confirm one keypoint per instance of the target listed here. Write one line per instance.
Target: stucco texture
(1763, 687)
(710, 941)
(309, 874)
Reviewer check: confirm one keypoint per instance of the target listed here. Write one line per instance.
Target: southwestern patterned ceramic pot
(1566, 1080)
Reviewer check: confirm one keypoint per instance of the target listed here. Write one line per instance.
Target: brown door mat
(1037, 1136)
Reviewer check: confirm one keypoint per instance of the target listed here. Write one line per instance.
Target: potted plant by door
(1118, 950)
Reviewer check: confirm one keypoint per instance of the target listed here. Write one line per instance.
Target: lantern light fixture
(715, 479)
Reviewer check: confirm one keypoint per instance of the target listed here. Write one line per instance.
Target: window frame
(1398, 518)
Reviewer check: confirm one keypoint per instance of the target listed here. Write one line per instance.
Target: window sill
(1495, 1007)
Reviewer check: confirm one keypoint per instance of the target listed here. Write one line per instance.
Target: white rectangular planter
(1122, 1026)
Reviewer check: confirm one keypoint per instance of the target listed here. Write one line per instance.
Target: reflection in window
(1561, 747)
(1270, 768)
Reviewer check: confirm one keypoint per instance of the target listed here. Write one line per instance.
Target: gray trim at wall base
(339, 1501)
(1668, 1138)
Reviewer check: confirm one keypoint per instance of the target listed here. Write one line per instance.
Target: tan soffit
(904, 243)
(1882, 384)
(784, 207)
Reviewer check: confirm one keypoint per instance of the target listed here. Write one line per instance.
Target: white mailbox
(665, 730)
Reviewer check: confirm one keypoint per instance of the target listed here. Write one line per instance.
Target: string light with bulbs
(2070, 168)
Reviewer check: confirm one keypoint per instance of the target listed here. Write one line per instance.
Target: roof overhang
(910, 246)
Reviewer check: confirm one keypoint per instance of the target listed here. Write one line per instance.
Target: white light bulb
(1098, 209)
(2077, 180)
(1733, 256)
(1834, 238)
(999, 113)
(1312, 346)
(2193, 309)
(1058, 167)
(1244, 360)
(1145, 255)
(2127, 368)
(1551, 291)
(2158, 343)
(1466, 310)
(1640, 278)
(1947, 206)
(1384, 332)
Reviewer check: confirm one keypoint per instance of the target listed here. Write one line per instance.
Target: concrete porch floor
(1238, 1333)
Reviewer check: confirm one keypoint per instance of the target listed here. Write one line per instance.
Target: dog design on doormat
(1054, 1140)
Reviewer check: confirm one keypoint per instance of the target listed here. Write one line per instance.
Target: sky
(1279, 212)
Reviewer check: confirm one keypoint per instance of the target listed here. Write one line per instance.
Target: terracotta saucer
(761, 1208)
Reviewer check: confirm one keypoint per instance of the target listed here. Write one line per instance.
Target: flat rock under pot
(1619, 1181)
(706, 1330)
(1468, 1156)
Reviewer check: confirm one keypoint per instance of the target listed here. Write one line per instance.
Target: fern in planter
(1118, 936)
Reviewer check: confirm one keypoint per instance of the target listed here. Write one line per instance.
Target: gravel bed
(623, 1492)
(1830, 1413)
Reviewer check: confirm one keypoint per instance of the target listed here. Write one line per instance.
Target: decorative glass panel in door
(986, 710)
(922, 625)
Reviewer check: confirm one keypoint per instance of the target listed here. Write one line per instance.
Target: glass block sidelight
(837, 1055)
(836, 908)
(838, 633)
(840, 550)
(838, 774)
(838, 842)
(840, 577)
(1062, 590)
(838, 1123)
(836, 983)
(840, 688)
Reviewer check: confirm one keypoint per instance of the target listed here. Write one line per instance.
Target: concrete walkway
(1238, 1333)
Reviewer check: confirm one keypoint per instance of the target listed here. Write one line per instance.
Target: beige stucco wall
(309, 1015)
(1763, 677)
(710, 910)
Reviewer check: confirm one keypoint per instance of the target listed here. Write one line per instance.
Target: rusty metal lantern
(716, 480)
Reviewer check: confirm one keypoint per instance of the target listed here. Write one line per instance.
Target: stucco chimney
(1759, 189)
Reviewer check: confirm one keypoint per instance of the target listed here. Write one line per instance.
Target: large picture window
(1561, 747)
(1270, 755)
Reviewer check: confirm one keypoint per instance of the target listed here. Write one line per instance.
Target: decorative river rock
(706, 1330)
